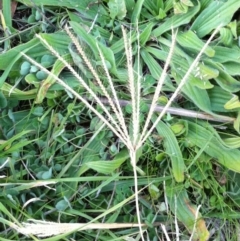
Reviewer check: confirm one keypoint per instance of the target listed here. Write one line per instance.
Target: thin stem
(133, 157)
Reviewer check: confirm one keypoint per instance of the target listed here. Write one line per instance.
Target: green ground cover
(67, 157)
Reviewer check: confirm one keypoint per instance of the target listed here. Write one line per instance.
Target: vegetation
(85, 153)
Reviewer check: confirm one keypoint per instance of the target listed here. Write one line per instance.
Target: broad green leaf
(191, 41)
(49, 81)
(172, 149)
(12, 59)
(219, 97)
(224, 80)
(154, 67)
(117, 9)
(3, 100)
(225, 54)
(9, 142)
(199, 136)
(61, 205)
(118, 46)
(108, 167)
(198, 96)
(146, 33)
(186, 213)
(136, 11)
(176, 21)
(232, 68)
(47, 174)
(217, 13)
(232, 142)
(233, 103)
(226, 37)
(154, 192)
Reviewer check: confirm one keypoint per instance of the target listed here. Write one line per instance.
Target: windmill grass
(131, 134)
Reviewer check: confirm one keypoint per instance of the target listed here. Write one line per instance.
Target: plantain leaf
(117, 9)
(213, 146)
(176, 21)
(233, 103)
(225, 54)
(172, 149)
(49, 81)
(232, 142)
(146, 33)
(108, 167)
(191, 41)
(136, 11)
(186, 213)
(224, 80)
(219, 97)
(215, 14)
(3, 100)
(232, 68)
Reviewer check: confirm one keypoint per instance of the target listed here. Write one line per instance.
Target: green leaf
(215, 14)
(91, 41)
(232, 142)
(186, 213)
(146, 33)
(14, 138)
(3, 100)
(224, 80)
(172, 149)
(225, 54)
(49, 81)
(176, 21)
(219, 97)
(117, 9)
(47, 174)
(136, 11)
(226, 36)
(213, 146)
(154, 67)
(233, 103)
(108, 167)
(191, 41)
(61, 205)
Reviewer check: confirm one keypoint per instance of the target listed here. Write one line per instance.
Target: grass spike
(138, 89)
(159, 86)
(117, 109)
(134, 99)
(131, 83)
(85, 86)
(100, 116)
(178, 89)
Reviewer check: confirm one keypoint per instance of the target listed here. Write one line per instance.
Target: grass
(66, 160)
